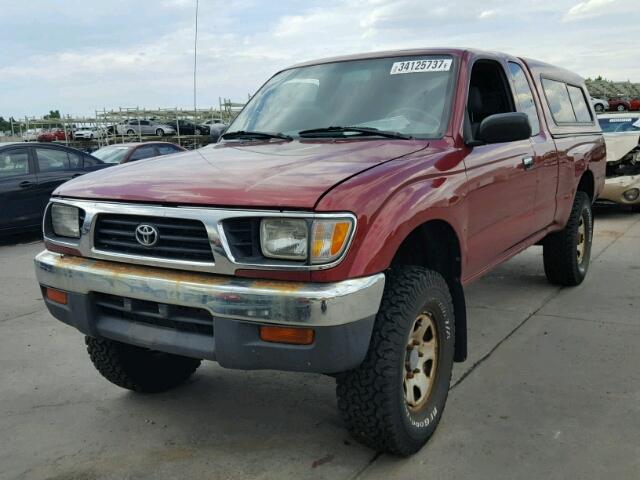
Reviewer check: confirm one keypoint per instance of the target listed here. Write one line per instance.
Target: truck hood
(252, 174)
(619, 144)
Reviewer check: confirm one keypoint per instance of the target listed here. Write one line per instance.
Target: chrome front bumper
(247, 300)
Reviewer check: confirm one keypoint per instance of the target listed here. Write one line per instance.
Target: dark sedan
(185, 127)
(28, 175)
(130, 152)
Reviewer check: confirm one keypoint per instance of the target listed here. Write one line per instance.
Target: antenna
(195, 62)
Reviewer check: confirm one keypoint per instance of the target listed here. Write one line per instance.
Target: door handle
(528, 163)
(26, 184)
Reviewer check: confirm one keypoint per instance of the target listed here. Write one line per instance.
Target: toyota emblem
(147, 235)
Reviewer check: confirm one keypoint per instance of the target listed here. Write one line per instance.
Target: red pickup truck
(333, 229)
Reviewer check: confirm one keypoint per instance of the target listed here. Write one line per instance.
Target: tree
(52, 114)
(5, 125)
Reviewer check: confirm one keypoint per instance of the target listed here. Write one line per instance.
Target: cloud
(591, 9)
(486, 14)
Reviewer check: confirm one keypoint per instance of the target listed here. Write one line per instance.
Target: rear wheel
(130, 132)
(599, 107)
(394, 400)
(621, 108)
(567, 253)
(139, 369)
(159, 132)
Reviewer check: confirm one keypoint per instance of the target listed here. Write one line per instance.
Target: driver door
(501, 183)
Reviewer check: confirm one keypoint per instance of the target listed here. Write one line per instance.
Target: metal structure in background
(104, 123)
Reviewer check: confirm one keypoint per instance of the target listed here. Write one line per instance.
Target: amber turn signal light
(56, 296)
(296, 336)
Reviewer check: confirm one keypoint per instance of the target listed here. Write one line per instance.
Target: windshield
(112, 154)
(620, 124)
(410, 95)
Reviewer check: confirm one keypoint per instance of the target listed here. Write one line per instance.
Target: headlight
(320, 241)
(65, 220)
(285, 238)
(329, 239)
(631, 195)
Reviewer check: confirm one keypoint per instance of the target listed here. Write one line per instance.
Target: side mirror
(504, 127)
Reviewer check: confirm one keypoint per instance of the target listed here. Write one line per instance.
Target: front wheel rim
(420, 362)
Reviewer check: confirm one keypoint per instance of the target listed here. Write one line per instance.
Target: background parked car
(29, 173)
(634, 104)
(622, 138)
(618, 105)
(599, 104)
(185, 127)
(31, 135)
(87, 133)
(130, 152)
(53, 135)
(144, 127)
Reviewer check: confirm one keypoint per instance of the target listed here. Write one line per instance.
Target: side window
(166, 149)
(14, 162)
(579, 104)
(524, 96)
(144, 122)
(559, 101)
(90, 161)
(75, 161)
(489, 93)
(51, 160)
(146, 151)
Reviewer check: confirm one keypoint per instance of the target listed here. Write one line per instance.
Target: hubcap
(420, 361)
(582, 240)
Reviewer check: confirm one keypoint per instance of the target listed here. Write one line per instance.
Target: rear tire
(567, 253)
(130, 132)
(621, 108)
(139, 369)
(394, 400)
(599, 107)
(159, 132)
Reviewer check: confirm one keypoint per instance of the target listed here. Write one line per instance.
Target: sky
(79, 56)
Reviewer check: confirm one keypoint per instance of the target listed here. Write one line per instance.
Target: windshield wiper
(320, 132)
(246, 134)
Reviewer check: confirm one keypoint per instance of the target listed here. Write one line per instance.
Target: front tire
(159, 132)
(567, 253)
(621, 108)
(139, 369)
(394, 400)
(599, 107)
(130, 132)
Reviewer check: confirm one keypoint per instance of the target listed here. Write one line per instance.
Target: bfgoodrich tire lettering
(139, 369)
(567, 253)
(372, 398)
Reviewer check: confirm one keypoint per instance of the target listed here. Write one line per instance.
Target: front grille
(179, 239)
(174, 317)
(243, 237)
